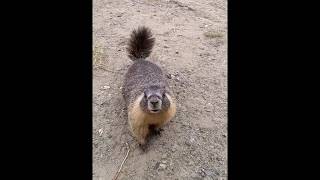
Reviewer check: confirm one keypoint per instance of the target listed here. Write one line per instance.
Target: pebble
(169, 76)
(162, 166)
(202, 173)
(164, 156)
(100, 132)
(209, 173)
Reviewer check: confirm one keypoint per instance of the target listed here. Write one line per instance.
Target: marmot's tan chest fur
(140, 121)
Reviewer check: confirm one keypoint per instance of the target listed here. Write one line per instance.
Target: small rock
(209, 173)
(106, 87)
(109, 136)
(202, 173)
(174, 148)
(219, 158)
(138, 10)
(177, 52)
(169, 76)
(121, 88)
(156, 166)
(164, 156)
(187, 143)
(162, 166)
(166, 46)
(100, 132)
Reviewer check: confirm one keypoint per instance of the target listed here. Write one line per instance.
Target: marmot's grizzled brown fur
(146, 91)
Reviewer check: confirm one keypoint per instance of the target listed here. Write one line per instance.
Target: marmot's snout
(154, 104)
(154, 98)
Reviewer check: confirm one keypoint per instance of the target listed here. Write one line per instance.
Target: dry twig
(125, 158)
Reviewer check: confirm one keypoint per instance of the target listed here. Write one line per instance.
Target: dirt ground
(191, 48)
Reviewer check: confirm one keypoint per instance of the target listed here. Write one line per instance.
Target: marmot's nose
(154, 102)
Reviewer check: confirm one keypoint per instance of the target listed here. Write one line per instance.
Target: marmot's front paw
(143, 147)
(157, 131)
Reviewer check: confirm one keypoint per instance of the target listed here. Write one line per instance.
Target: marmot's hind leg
(141, 134)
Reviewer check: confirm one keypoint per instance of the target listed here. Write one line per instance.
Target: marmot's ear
(145, 94)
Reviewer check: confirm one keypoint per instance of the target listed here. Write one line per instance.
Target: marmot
(146, 92)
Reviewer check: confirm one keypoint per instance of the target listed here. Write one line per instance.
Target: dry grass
(97, 56)
(213, 34)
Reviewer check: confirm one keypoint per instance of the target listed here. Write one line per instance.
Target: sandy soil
(191, 48)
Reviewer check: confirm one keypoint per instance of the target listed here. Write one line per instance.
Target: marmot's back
(142, 73)
(140, 76)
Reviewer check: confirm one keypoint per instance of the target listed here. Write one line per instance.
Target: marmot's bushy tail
(140, 44)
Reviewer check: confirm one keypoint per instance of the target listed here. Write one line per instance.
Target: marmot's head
(155, 99)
